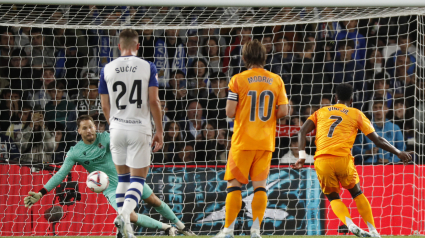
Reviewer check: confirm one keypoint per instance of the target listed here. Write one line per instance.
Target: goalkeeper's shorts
(244, 163)
(333, 171)
(110, 195)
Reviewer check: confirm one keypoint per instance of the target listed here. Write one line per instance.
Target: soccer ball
(97, 181)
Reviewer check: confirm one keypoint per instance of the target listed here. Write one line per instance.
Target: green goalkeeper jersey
(94, 157)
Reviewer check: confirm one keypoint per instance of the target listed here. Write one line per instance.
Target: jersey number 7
(333, 126)
(136, 88)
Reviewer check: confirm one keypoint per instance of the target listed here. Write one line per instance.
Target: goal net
(51, 56)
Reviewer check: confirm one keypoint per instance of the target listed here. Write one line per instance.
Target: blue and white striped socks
(123, 185)
(133, 195)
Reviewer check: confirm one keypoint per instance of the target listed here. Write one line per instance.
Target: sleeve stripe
(233, 96)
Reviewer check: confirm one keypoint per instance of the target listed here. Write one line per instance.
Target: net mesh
(51, 56)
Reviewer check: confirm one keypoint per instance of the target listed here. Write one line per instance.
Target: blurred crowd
(49, 76)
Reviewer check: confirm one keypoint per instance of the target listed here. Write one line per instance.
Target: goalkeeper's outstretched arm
(385, 145)
(34, 197)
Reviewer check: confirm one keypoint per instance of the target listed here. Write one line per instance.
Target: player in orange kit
(337, 127)
(256, 99)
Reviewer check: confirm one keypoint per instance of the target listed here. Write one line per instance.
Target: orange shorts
(333, 171)
(241, 163)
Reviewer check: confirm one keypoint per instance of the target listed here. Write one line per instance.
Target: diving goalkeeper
(94, 154)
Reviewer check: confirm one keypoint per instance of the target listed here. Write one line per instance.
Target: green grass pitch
(235, 236)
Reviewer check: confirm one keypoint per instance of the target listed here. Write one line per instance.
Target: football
(97, 181)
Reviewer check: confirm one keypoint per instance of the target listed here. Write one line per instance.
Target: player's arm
(307, 127)
(232, 98)
(385, 145)
(231, 108)
(282, 102)
(155, 107)
(282, 111)
(104, 96)
(51, 184)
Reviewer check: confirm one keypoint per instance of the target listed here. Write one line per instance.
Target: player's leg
(118, 146)
(363, 206)
(138, 160)
(259, 172)
(237, 172)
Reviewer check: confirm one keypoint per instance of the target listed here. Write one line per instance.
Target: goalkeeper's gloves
(34, 197)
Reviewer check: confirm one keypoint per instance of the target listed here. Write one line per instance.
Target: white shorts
(131, 148)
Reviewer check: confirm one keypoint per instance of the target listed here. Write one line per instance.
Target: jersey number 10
(135, 89)
(261, 104)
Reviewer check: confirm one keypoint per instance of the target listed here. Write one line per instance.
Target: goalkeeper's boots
(374, 234)
(185, 231)
(358, 232)
(124, 227)
(171, 231)
(225, 233)
(255, 233)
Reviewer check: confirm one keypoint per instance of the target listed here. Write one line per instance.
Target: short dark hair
(379, 101)
(178, 71)
(127, 36)
(220, 76)
(55, 85)
(48, 69)
(19, 52)
(346, 42)
(84, 118)
(344, 92)
(254, 53)
(294, 139)
(36, 30)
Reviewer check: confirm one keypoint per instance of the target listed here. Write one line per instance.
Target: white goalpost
(196, 47)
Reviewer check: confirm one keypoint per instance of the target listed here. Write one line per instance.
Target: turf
(235, 236)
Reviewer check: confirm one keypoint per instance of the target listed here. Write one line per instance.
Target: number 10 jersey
(127, 80)
(257, 92)
(336, 129)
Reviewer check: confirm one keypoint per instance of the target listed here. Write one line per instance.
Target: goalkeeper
(94, 154)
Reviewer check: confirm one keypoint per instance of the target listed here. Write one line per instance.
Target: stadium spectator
(206, 145)
(292, 156)
(90, 104)
(402, 116)
(100, 122)
(193, 50)
(9, 108)
(285, 58)
(272, 61)
(347, 70)
(59, 109)
(384, 128)
(19, 73)
(14, 130)
(217, 100)
(59, 151)
(172, 144)
(169, 55)
(350, 31)
(39, 96)
(187, 155)
(308, 82)
(380, 90)
(208, 33)
(232, 60)
(375, 63)
(197, 82)
(164, 110)
(40, 54)
(404, 46)
(192, 126)
(211, 51)
(404, 79)
(8, 149)
(22, 37)
(177, 96)
(325, 102)
(224, 141)
(7, 44)
(37, 142)
(147, 41)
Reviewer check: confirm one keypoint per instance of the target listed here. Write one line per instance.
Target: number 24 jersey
(257, 91)
(336, 129)
(127, 80)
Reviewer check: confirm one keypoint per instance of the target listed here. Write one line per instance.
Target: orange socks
(259, 205)
(233, 206)
(363, 206)
(341, 211)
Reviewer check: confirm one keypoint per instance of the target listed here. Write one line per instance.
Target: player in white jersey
(128, 89)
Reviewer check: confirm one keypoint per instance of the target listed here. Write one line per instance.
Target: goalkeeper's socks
(148, 222)
(259, 205)
(133, 195)
(233, 206)
(341, 211)
(363, 206)
(166, 212)
(123, 184)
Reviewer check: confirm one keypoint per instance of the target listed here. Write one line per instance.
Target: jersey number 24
(135, 89)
